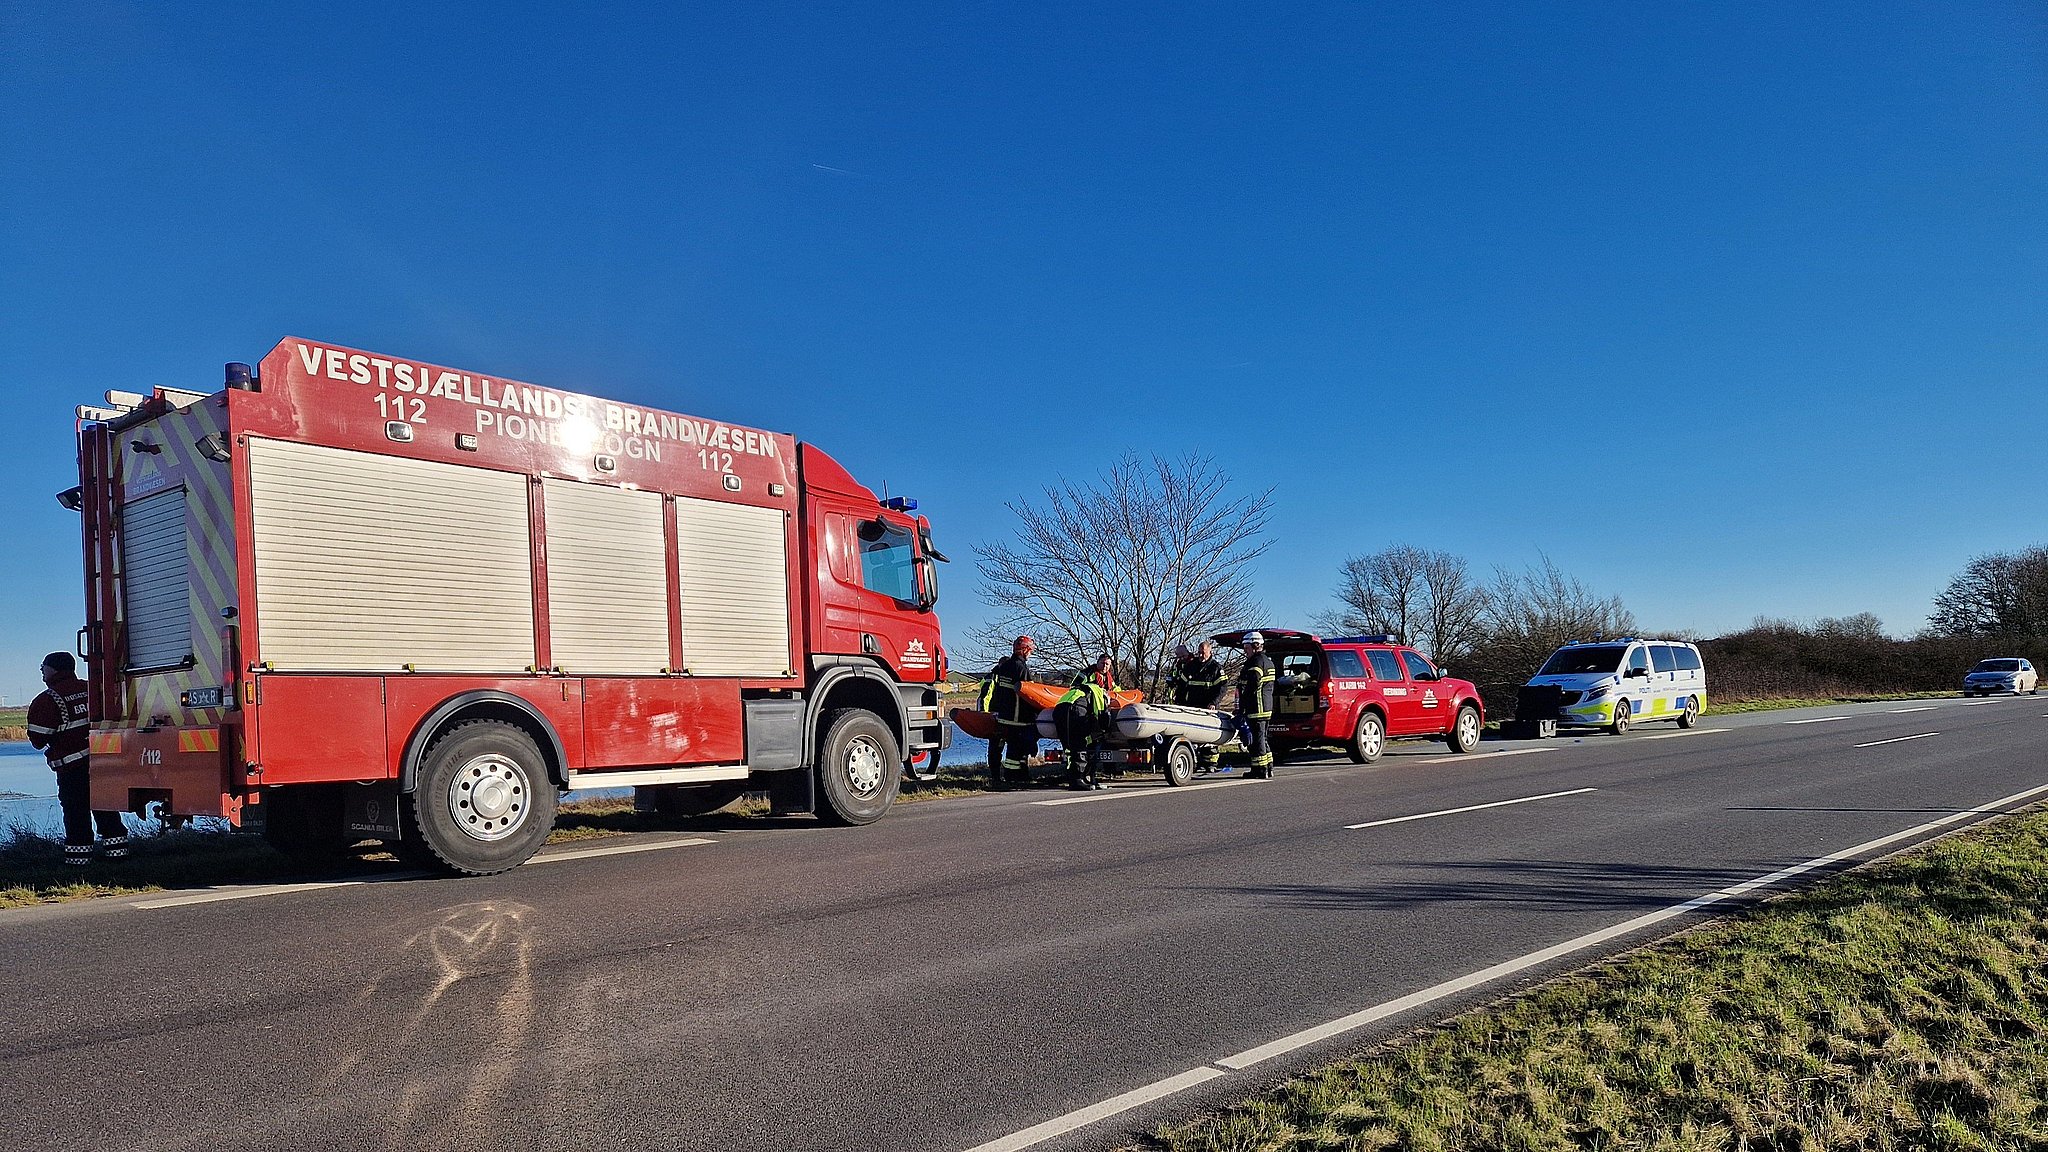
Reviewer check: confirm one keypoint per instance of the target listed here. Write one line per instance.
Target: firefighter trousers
(1260, 744)
(74, 794)
(1008, 751)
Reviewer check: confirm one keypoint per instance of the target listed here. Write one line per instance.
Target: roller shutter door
(607, 579)
(155, 584)
(732, 563)
(370, 563)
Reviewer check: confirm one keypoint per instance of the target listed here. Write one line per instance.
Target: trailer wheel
(1370, 739)
(482, 802)
(678, 801)
(1177, 762)
(859, 767)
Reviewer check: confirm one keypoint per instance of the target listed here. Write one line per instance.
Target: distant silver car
(2002, 674)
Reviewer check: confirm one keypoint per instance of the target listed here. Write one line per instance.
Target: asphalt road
(976, 972)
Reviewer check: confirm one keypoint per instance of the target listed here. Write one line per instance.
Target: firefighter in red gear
(57, 724)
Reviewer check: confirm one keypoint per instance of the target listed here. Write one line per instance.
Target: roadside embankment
(1899, 1006)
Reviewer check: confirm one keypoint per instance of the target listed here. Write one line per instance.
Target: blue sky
(1721, 306)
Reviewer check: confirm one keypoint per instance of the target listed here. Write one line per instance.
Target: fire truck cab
(369, 597)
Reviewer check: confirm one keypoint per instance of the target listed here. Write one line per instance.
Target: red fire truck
(368, 597)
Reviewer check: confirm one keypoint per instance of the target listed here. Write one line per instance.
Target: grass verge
(1725, 707)
(1899, 1006)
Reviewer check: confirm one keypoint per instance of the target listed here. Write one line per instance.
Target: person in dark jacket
(58, 724)
(1082, 717)
(1016, 739)
(1198, 682)
(1255, 684)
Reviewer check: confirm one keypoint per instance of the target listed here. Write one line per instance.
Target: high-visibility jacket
(1001, 693)
(57, 723)
(1255, 687)
(1197, 682)
(1088, 689)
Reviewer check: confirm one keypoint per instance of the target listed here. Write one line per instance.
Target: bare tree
(1996, 594)
(1154, 552)
(1861, 626)
(1529, 613)
(1425, 597)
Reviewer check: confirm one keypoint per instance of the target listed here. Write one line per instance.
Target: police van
(1613, 684)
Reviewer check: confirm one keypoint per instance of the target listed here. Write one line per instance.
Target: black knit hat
(61, 662)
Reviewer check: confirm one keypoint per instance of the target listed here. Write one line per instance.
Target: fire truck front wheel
(859, 767)
(482, 802)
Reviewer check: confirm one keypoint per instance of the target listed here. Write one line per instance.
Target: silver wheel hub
(1468, 729)
(1370, 737)
(489, 797)
(864, 765)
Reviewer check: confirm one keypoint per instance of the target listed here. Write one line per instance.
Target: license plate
(204, 697)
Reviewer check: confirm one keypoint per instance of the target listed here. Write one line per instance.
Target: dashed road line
(618, 850)
(1687, 732)
(1142, 793)
(1159, 1089)
(1903, 711)
(1816, 720)
(251, 891)
(1481, 755)
(1469, 808)
(1899, 739)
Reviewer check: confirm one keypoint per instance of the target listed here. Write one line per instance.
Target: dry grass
(1904, 1006)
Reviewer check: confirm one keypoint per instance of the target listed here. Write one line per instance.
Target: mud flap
(371, 810)
(789, 793)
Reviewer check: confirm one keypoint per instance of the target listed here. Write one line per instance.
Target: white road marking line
(1060, 1125)
(1469, 808)
(1687, 732)
(1082, 1117)
(1817, 720)
(216, 895)
(1141, 793)
(1903, 711)
(1899, 739)
(1975, 703)
(619, 850)
(1482, 755)
(1343, 1024)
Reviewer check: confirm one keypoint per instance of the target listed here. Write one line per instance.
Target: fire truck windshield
(888, 562)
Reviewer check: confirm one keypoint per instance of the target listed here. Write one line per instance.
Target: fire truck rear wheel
(482, 802)
(859, 767)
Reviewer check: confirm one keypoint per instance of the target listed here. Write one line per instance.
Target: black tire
(859, 768)
(1622, 715)
(482, 803)
(1465, 731)
(1691, 715)
(681, 801)
(1177, 763)
(304, 822)
(1368, 740)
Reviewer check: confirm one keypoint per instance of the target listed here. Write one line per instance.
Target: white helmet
(1254, 638)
